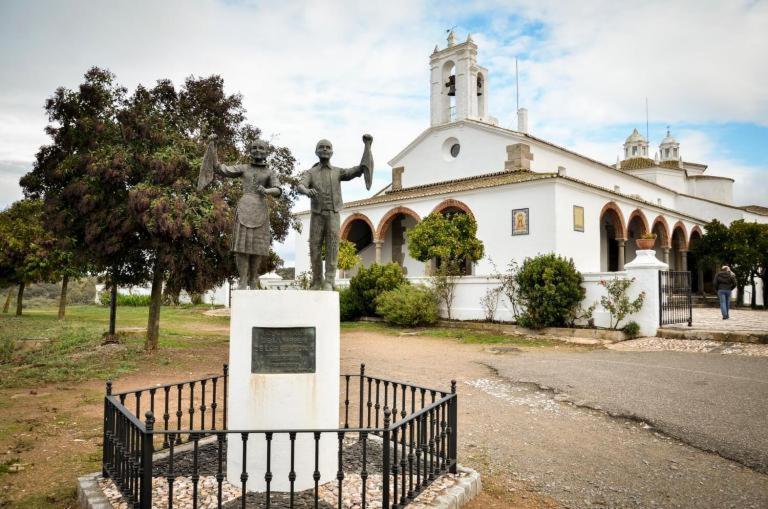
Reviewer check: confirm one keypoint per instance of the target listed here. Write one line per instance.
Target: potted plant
(646, 241)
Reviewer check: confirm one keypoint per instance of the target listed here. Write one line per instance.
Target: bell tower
(459, 87)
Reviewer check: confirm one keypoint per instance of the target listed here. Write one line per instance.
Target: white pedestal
(283, 401)
(645, 270)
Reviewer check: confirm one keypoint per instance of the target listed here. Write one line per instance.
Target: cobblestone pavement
(741, 320)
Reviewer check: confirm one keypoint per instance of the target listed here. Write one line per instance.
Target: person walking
(724, 283)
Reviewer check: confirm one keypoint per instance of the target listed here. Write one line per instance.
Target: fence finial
(109, 387)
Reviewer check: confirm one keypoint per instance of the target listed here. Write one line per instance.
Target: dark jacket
(724, 280)
(327, 181)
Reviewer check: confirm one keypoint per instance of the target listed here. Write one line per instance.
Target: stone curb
(89, 493)
(755, 337)
(91, 496)
(465, 490)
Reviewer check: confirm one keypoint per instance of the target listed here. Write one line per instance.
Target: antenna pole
(647, 138)
(517, 88)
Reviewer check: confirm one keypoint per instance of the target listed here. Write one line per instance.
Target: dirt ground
(532, 450)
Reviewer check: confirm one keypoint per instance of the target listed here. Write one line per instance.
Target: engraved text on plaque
(283, 350)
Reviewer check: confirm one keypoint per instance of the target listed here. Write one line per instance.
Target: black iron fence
(406, 434)
(675, 300)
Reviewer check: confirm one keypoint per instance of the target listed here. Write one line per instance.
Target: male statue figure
(251, 238)
(322, 183)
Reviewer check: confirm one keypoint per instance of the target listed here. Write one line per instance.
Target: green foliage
(743, 246)
(370, 282)
(617, 302)
(632, 329)
(348, 257)
(348, 309)
(408, 306)
(451, 238)
(549, 289)
(125, 299)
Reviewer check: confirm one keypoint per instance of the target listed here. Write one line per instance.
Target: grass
(37, 348)
(462, 335)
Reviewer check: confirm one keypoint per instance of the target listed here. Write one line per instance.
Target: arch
(666, 239)
(637, 213)
(347, 225)
(453, 204)
(697, 231)
(621, 233)
(679, 226)
(390, 216)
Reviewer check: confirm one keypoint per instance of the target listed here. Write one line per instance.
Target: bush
(408, 306)
(632, 329)
(7, 346)
(125, 299)
(549, 290)
(370, 282)
(617, 302)
(348, 309)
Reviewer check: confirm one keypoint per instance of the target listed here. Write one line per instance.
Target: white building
(565, 202)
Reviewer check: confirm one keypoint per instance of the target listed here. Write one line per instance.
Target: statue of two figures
(251, 236)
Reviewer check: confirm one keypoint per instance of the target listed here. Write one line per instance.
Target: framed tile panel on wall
(578, 218)
(520, 222)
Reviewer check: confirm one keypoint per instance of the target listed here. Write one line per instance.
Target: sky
(334, 69)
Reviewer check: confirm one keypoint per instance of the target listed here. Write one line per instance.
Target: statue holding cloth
(322, 183)
(251, 236)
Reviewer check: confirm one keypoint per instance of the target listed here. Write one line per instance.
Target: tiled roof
(453, 186)
(637, 163)
(675, 165)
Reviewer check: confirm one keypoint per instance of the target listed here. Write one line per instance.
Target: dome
(635, 137)
(669, 140)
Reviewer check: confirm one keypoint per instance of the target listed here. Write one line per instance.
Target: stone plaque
(283, 350)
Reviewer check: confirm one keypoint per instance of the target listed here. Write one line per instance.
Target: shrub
(408, 306)
(549, 289)
(348, 309)
(490, 303)
(125, 299)
(617, 302)
(7, 346)
(370, 282)
(632, 329)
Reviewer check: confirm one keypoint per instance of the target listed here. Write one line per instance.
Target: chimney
(397, 178)
(522, 120)
(519, 157)
(561, 171)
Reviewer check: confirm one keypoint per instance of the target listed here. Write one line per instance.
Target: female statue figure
(251, 237)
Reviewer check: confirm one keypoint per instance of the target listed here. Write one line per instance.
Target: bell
(451, 84)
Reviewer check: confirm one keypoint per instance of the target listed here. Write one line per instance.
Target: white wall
(719, 189)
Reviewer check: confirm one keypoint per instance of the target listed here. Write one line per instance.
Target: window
(634, 151)
(455, 150)
(666, 152)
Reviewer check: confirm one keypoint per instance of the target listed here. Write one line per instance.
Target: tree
(741, 246)
(119, 179)
(187, 232)
(348, 257)
(616, 301)
(84, 180)
(29, 250)
(450, 240)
